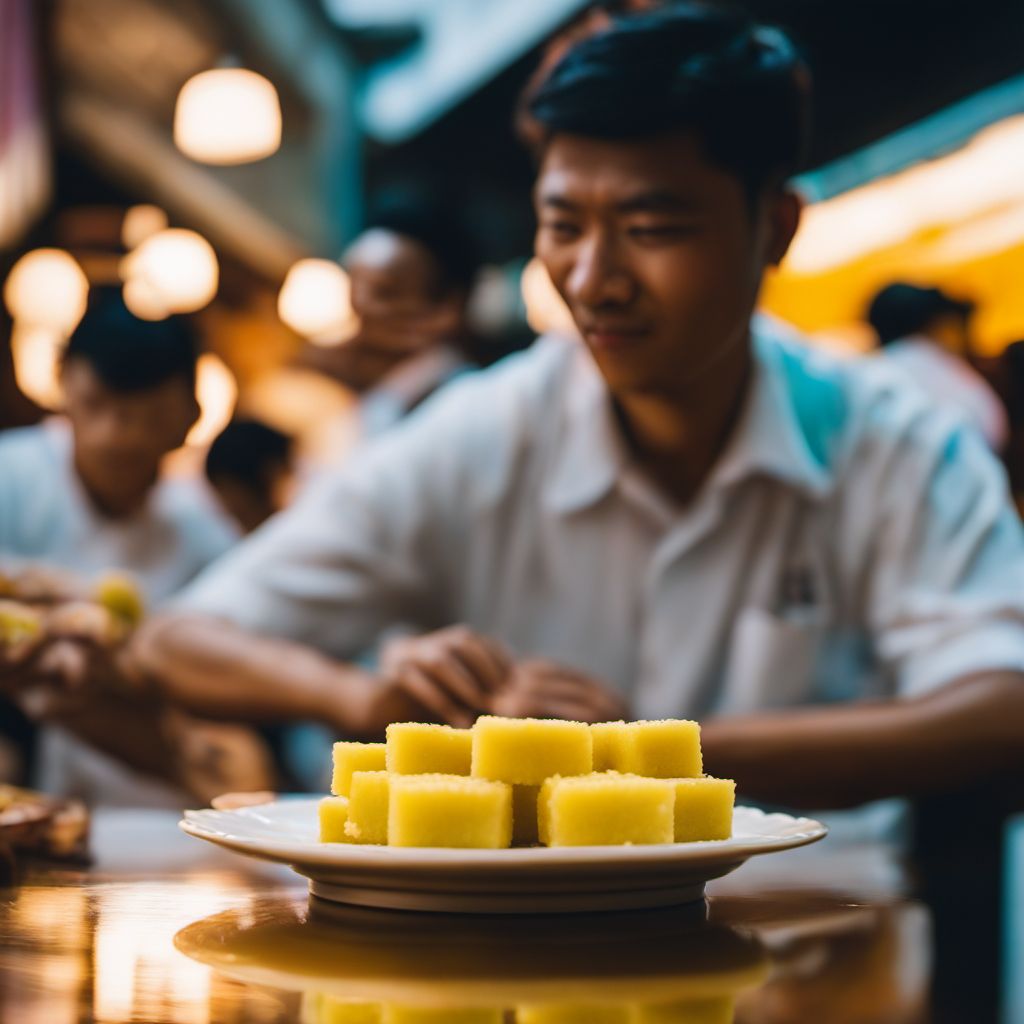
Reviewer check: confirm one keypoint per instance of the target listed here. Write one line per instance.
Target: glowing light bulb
(227, 116)
(315, 301)
(46, 288)
(179, 269)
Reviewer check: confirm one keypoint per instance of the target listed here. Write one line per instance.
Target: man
(82, 494)
(684, 516)
(249, 466)
(926, 334)
(410, 271)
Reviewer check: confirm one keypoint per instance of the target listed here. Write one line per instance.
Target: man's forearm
(213, 668)
(840, 756)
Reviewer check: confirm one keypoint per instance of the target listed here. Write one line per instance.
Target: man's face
(121, 437)
(658, 254)
(402, 308)
(390, 275)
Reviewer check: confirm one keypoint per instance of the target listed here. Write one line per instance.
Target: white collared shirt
(853, 540)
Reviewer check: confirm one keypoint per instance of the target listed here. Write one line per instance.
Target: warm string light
(46, 294)
(173, 271)
(217, 393)
(227, 116)
(315, 301)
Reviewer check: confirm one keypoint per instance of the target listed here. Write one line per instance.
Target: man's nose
(598, 275)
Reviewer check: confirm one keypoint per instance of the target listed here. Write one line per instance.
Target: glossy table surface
(163, 928)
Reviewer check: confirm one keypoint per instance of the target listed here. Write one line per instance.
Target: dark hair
(246, 450)
(438, 227)
(129, 354)
(899, 310)
(741, 88)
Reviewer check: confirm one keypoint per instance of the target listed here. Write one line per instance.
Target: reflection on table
(164, 929)
(352, 964)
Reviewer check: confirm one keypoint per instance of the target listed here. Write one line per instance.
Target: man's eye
(659, 232)
(562, 228)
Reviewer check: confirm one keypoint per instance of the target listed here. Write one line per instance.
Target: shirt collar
(792, 413)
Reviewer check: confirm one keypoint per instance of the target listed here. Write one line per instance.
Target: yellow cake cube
(333, 813)
(355, 757)
(606, 809)
(668, 749)
(422, 1015)
(703, 808)
(524, 815)
(716, 1010)
(609, 739)
(368, 808)
(449, 810)
(320, 1008)
(416, 748)
(573, 1013)
(526, 751)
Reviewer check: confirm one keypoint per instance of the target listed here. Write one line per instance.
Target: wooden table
(819, 935)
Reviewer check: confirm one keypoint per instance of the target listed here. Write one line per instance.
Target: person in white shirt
(82, 494)
(925, 334)
(683, 515)
(410, 271)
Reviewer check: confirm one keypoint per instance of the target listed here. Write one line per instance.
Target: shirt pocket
(772, 660)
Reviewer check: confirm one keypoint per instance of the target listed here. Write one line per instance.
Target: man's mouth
(611, 336)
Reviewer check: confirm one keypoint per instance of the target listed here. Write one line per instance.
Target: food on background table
(35, 824)
(588, 790)
(120, 595)
(21, 626)
(39, 602)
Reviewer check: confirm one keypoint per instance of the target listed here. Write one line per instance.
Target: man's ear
(785, 208)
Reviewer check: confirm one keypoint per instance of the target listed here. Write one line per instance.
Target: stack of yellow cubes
(510, 781)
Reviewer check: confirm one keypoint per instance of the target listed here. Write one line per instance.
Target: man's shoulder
(27, 442)
(28, 454)
(849, 407)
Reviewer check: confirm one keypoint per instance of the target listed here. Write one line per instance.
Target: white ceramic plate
(528, 880)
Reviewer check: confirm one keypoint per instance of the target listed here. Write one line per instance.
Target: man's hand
(543, 689)
(454, 674)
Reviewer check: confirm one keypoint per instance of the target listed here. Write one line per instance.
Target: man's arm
(211, 667)
(831, 757)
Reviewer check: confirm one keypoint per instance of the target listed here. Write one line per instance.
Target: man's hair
(739, 87)
(900, 310)
(129, 354)
(247, 450)
(437, 226)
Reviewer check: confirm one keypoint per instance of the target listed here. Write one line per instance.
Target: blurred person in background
(411, 272)
(926, 334)
(249, 465)
(82, 494)
(684, 516)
